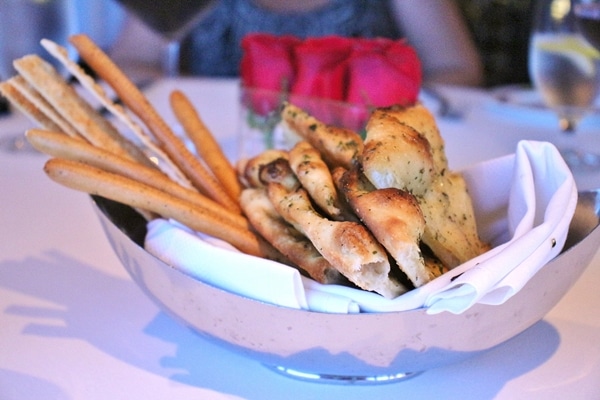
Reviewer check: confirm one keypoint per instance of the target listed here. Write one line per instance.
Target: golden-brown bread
(394, 217)
(285, 238)
(346, 245)
(61, 146)
(315, 177)
(396, 155)
(339, 147)
(205, 143)
(423, 121)
(451, 229)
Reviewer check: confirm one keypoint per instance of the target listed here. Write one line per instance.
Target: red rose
(267, 64)
(383, 72)
(364, 72)
(321, 67)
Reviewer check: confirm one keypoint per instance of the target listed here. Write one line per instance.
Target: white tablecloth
(74, 326)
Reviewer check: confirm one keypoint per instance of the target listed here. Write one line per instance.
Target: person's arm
(437, 31)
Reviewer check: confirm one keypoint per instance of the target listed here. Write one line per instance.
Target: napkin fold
(523, 202)
(219, 264)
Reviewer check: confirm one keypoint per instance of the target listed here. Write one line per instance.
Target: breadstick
(25, 106)
(137, 102)
(88, 122)
(32, 104)
(86, 81)
(58, 145)
(206, 146)
(92, 180)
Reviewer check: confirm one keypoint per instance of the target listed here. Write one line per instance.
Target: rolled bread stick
(67, 102)
(205, 143)
(164, 163)
(92, 180)
(32, 104)
(60, 146)
(137, 102)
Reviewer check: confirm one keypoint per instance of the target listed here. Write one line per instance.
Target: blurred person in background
(435, 28)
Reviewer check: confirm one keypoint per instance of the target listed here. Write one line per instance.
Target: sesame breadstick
(137, 102)
(92, 180)
(206, 145)
(60, 146)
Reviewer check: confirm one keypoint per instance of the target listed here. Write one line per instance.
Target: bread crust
(396, 155)
(284, 237)
(394, 217)
(340, 147)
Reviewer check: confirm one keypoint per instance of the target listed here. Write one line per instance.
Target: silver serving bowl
(348, 348)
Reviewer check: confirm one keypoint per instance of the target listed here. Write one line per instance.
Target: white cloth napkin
(219, 264)
(523, 202)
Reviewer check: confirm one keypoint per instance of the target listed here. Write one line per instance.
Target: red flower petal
(383, 72)
(267, 63)
(369, 72)
(321, 67)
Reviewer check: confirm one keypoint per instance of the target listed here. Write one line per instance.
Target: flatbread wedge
(394, 217)
(396, 155)
(339, 147)
(285, 238)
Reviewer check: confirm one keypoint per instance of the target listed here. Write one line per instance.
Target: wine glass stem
(171, 58)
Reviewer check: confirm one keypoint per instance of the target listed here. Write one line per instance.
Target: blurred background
(24, 22)
(499, 29)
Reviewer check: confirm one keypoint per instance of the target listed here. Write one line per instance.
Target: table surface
(73, 325)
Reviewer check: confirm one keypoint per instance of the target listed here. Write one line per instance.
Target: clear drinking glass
(564, 68)
(171, 19)
(259, 125)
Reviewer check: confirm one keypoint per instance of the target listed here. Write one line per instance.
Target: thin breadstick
(28, 100)
(206, 145)
(92, 180)
(60, 146)
(137, 102)
(165, 164)
(25, 106)
(88, 122)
